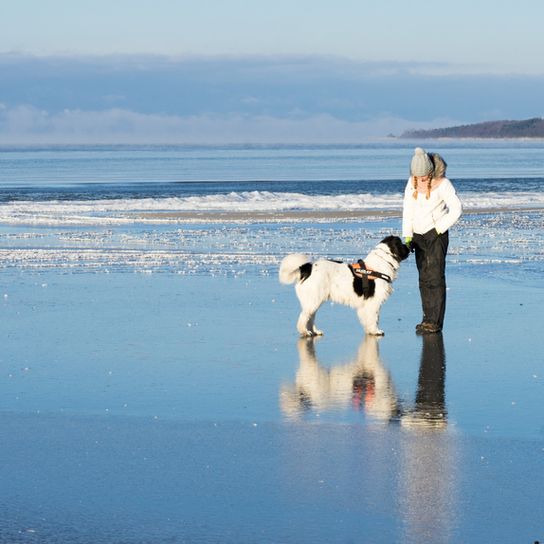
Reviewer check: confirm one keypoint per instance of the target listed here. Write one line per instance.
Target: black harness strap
(362, 285)
(365, 274)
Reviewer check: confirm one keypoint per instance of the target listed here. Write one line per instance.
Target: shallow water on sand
(504, 244)
(196, 348)
(154, 388)
(166, 408)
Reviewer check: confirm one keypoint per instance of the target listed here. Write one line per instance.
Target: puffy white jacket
(440, 211)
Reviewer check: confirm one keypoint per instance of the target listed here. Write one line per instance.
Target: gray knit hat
(421, 164)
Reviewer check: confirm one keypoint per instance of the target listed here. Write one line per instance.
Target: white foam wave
(125, 211)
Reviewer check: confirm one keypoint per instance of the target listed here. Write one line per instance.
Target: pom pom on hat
(421, 164)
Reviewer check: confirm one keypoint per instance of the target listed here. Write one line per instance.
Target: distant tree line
(528, 128)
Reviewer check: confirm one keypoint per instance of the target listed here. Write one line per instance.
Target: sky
(215, 71)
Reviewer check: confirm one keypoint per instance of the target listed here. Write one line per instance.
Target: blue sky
(250, 70)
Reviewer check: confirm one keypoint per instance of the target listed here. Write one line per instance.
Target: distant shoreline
(498, 130)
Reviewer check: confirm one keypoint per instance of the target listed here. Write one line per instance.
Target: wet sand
(300, 215)
(136, 480)
(310, 215)
(160, 408)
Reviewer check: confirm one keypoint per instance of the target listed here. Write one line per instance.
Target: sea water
(114, 207)
(95, 236)
(154, 388)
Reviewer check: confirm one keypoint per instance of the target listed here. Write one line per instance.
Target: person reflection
(430, 402)
(428, 460)
(363, 384)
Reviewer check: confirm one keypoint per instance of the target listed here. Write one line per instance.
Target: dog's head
(398, 249)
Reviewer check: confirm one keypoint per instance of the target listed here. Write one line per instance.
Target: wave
(126, 211)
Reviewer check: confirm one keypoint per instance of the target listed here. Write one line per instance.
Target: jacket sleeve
(408, 211)
(453, 204)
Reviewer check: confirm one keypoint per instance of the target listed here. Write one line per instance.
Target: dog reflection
(430, 404)
(363, 384)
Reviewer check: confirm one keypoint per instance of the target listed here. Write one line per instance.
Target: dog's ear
(400, 250)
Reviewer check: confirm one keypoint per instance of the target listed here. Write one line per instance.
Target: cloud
(25, 124)
(248, 99)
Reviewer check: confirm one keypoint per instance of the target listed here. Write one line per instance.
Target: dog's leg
(313, 328)
(310, 295)
(369, 315)
(305, 323)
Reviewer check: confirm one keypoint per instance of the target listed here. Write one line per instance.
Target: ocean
(158, 208)
(154, 387)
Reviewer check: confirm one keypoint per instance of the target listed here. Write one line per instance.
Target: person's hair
(438, 171)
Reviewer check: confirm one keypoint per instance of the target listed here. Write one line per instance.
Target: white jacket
(440, 211)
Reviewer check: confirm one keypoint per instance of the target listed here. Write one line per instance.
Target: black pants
(431, 249)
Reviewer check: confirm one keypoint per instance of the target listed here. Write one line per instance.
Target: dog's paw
(317, 332)
(307, 334)
(377, 332)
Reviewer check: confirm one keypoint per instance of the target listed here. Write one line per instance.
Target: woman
(430, 208)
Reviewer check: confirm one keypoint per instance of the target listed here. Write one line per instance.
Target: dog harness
(366, 275)
(360, 270)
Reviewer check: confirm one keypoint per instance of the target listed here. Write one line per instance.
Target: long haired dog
(340, 283)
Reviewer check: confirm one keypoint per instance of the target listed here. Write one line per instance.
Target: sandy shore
(150, 409)
(300, 215)
(178, 403)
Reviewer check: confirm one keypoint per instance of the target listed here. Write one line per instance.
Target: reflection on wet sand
(363, 384)
(424, 457)
(427, 475)
(430, 405)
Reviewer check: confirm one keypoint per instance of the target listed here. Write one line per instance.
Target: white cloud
(26, 124)
(167, 90)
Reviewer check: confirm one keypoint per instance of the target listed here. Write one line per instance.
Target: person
(430, 207)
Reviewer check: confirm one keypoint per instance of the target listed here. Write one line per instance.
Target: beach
(153, 408)
(156, 390)
(161, 162)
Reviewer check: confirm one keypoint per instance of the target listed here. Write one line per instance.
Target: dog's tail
(294, 268)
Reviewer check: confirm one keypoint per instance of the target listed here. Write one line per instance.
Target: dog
(364, 384)
(340, 283)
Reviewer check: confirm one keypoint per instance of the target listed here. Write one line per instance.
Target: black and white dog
(340, 283)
